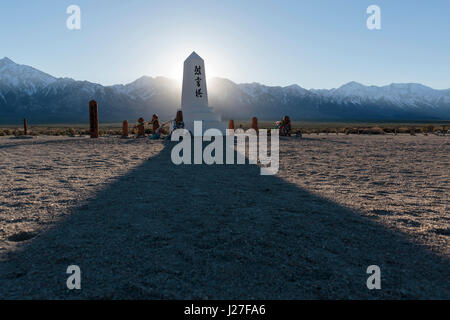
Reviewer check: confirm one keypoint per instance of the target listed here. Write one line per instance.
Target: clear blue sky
(314, 43)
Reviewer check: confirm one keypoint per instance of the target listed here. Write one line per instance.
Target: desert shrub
(102, 133)
(351, 131)
(373, 130)
(71, 132)
(428, 129)
(389, 130)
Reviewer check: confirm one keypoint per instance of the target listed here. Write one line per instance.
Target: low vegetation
(305, 128)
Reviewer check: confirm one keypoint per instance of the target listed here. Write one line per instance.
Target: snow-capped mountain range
(28, 92)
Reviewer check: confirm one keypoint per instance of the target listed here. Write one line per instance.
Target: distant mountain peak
(23, 77)
(142, 79)
(352, 84)
(5, 61)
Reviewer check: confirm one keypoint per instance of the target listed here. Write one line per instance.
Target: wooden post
(231, 124)
(93, 117)
(255, 124)
(179, 117)
(25, 127)
(125, 129)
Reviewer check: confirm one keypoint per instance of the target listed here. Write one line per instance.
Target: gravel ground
(140, 227)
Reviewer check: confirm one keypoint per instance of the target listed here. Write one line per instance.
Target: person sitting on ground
(284, 126)
(155, 123)
(140, 126)
(157, 134)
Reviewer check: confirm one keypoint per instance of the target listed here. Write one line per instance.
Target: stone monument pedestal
(209, 119)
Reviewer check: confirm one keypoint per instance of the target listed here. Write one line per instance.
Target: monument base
(209, 119)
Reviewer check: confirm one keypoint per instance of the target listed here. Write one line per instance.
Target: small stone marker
(93, 117)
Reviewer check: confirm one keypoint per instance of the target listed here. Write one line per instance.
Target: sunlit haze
(316, 44)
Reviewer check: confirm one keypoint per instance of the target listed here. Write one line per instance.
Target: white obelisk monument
(194, 96)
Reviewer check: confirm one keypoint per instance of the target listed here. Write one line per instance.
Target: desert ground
(140, 227)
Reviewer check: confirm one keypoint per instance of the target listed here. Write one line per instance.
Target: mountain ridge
(29, 92)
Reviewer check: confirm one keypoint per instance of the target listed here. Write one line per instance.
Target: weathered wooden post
(93, 116)
(255, 124)
(231, 124)
(179, 116)
(25, 127)
(125, 129)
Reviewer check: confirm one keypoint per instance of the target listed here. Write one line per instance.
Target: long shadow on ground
(218, 232)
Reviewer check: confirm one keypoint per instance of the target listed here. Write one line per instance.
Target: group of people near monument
(284, 126)
(157, 128)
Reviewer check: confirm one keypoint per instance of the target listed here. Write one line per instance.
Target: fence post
(255, 124)
(25, 127)
(179, 116)
(125, 129)
(93, 117)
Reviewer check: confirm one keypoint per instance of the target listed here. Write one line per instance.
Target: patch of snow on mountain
(23, 77)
